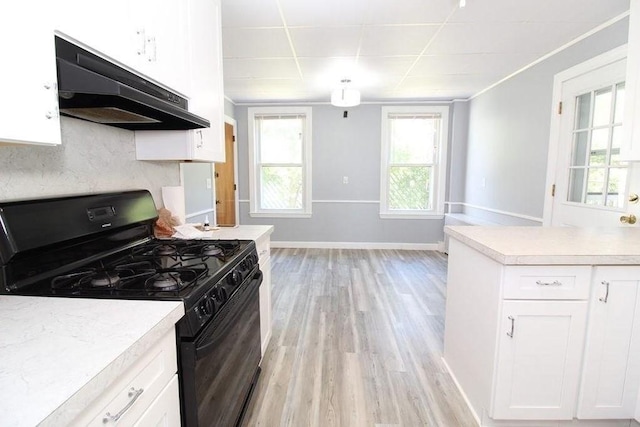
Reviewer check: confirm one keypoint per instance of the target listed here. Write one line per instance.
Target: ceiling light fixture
(463, 3)
(345, 96)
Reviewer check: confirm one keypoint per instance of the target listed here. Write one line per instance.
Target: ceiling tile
(264, 13)
(396, 39)
(333, 41)
(501, 37)
(323, 13)
(386, 65)
(255, 43)
(495, 63)
(409, 11)
(539, 11)
(283, 68)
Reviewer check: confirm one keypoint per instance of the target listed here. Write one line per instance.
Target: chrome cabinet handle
(606, 295)
(134, 395)
(513, 321)
(554, 283)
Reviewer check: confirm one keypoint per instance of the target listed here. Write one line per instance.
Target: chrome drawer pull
(554, 283)
(510, 334)
(134, 395)
(606, 295)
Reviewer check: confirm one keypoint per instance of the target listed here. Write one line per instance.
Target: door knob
(633, 198)
(628, 219)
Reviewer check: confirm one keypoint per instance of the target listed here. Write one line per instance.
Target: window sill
(280, 214)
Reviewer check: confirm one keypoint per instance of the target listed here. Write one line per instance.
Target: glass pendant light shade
(344, 96)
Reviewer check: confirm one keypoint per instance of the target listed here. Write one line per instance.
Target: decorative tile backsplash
(92, 158)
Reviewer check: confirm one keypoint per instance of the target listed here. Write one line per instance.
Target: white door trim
(554, 133)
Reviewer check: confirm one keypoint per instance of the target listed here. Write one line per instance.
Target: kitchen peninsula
(543, 323)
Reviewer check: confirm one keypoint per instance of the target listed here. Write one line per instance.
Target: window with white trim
(280, 159)
(413, 168)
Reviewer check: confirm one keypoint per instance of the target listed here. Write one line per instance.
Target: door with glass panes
(592, 183)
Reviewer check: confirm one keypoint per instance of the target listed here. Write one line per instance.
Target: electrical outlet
(209, 183)
(345, 179)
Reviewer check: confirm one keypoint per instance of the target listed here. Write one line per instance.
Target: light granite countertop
(59, 354)
(241, 232)
(553, 245)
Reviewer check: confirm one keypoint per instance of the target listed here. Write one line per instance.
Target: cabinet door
(207, 92)
(29, 110)
(538, 363)
(612, 361)
(165, 409)
(265, 305)
(631, 129)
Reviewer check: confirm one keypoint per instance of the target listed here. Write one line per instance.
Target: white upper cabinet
(29, 83)
(148, 37)
(631, 142)
(206, 94)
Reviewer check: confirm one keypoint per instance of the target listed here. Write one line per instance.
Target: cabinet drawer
(547, 282)
(130, 395)
(263, 246)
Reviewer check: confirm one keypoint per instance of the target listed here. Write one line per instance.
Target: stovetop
(159, 269)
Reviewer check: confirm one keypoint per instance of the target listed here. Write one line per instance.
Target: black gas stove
(102, 246)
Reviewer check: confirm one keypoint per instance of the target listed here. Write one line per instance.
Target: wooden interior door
(225, 185)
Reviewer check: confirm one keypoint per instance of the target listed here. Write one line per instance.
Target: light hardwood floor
(357, 341)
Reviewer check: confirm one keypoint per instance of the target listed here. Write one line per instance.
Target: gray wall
(91, 158)
(509, 131)
(229, 108)
(341, 212)
(456, 169)
(197, 197)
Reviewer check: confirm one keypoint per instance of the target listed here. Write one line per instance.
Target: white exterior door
(538, 367)
(591, 186)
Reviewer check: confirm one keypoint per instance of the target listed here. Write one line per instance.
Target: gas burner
(166, 281)
(165, 250)
(211, 250)
(104, 280)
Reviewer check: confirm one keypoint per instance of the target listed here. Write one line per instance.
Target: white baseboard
(359, 245)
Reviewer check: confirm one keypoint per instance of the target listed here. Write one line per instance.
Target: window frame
(439, 166)
(254, 165)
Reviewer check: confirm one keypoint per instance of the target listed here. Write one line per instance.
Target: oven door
(219, 367)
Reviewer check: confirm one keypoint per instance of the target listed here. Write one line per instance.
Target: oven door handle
(207, 342)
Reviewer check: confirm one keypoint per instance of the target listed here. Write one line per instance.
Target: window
(414, 146)
(596, 174)
(280, 157)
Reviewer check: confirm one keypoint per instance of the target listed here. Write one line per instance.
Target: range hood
(95, 89)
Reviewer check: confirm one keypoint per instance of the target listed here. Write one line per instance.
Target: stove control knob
(234, 278)
(220, 294)
(207, 306)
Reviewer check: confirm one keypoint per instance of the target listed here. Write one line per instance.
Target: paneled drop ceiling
(299, 50)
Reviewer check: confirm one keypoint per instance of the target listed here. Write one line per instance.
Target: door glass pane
(616, 188)
(281, 140)
(595, 186)
(409, 187)
(413, 140)
(602, 107)
(576, 184)
(580, 144)
(583, 111)
(599, 142)
(281, 187)
(619, 107)
(616, 142)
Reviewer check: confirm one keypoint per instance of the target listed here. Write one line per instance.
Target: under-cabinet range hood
(95, 89)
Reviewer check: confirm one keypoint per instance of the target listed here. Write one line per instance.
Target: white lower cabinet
(146, 393)
(538, 361)
(165, 410)
(611, 374)
(263, 247)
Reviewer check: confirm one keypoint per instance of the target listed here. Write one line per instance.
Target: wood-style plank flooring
(357, 341)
